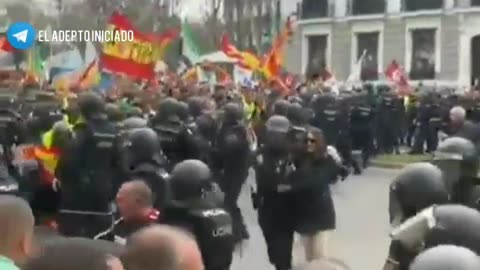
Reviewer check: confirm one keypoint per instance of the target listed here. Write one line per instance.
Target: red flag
(5, 45)
(136, 59)
(396, 74)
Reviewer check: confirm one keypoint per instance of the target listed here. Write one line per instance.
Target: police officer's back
(197, 207)
(145, 160)
(168, 124)
(86, 170)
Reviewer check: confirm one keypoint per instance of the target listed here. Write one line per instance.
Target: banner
(137, 58)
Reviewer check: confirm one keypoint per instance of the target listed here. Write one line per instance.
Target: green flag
(35, 62)
(190, 48)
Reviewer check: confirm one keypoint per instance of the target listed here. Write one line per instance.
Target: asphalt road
(361, 238)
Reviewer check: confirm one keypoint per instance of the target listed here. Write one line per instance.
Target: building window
(423, 54)
(475, 3)
(365, 7)
(314, 9)
(414, 5)
(317, 54)
(367, 43)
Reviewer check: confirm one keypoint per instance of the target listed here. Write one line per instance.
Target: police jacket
(86, 169)
(210, 224)
(156, 178)
(232, 147)
(122, 228)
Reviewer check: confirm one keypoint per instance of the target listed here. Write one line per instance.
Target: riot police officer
(114, 114)
(145, 160)
(232, 162)
(280, 107)
(169, 126)
(86, 171)
(417, 186)
(446, 257)
(361, 120)
(197, 207)
(450, 224)
(459, 161)
(275, 209)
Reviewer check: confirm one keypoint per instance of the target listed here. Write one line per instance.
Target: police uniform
(275, 210)
(86, 171)
(197, 207)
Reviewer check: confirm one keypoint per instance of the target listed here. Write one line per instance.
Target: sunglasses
(311, 140)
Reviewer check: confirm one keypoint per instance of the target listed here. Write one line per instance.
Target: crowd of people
(151, 179)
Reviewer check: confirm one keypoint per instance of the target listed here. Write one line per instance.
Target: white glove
(333, 153)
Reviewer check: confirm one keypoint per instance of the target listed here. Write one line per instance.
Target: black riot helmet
(182, 111)
(446, 257)
(91, 105)
(457, 158)
(277, 128)
(61, 134)
(280, 107)
(296, 114)
(195, 106)
(168, 110)
(416, 187)
(114, 113)
(190, 179)
(454, 224)
(133, 123)
(232, 113)
(143, 145)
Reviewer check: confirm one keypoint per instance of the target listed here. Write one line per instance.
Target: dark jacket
(314, 209)
(469, 131)
(85, 174)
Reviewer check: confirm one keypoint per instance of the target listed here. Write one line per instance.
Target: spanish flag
(47, 159)
(246, 60)
(274, 60)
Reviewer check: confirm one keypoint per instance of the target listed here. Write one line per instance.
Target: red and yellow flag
(246, 60)
(48, 160)
(135, 59)
(274, 59)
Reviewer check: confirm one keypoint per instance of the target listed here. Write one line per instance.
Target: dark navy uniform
(197, 206)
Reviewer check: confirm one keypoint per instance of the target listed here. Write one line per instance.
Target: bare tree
(19, 12)
(212, 19)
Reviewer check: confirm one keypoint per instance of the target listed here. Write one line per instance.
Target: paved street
(361, 238)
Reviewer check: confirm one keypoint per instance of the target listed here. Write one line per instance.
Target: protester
(163, 247)
(16, 229)
(461, 127)
(72, 254)
(315, 213)
(135, 206)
